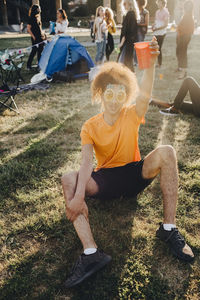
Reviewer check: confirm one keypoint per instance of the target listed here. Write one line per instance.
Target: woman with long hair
(111, 29)
(160, 25)
(128, 32)
(61, 22)
(185, 30)
(34, 28)
(100, 30)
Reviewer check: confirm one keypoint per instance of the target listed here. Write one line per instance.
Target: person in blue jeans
(100, 30)
(179, 105)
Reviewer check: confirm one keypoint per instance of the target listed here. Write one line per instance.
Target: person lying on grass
(120, 171)
(179, 105)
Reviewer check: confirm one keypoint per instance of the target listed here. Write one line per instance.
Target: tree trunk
(18, 15)
(3, 8)
(35, 2)
(58, 4)
(119, 12)
(107, 3)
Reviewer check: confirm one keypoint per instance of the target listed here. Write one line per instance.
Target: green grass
(38, 244)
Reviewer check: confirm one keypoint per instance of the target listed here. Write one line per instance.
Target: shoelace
(175, 237)
(75, 266)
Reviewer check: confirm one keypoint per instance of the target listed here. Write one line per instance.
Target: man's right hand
(77, 206)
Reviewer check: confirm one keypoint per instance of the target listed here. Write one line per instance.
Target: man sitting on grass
(120, 171)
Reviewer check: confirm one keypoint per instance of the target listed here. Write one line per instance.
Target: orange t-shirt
(115, 145)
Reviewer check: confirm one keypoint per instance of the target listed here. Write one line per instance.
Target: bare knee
(69, 179)
(167, 154)
(189, 79)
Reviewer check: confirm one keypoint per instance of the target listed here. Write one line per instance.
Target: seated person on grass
(179, 105)
(120, 171)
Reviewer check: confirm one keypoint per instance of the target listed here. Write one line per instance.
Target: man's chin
(114, 111)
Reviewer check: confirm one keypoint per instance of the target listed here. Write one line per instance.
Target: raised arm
(146, 85)
(77, 205)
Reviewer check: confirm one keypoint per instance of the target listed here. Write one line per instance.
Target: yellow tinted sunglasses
(118, 95)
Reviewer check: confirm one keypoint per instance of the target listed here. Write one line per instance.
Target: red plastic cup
(143, 53)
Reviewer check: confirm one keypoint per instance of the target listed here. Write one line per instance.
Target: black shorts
(120, 181)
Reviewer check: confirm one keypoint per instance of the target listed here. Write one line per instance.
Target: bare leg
(81, 225)
(163, 160)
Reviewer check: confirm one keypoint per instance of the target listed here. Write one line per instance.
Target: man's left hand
(76, 207)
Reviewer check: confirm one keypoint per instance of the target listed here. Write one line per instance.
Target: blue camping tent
(63, 52)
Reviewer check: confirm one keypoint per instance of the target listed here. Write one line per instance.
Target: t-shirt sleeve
(85, 135)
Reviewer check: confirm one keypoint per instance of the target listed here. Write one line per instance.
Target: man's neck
(111, 119)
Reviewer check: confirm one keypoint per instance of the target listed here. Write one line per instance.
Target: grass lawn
(38, 244)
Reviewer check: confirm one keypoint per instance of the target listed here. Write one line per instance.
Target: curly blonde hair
(114, 73)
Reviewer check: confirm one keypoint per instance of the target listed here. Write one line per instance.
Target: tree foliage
(93, 4)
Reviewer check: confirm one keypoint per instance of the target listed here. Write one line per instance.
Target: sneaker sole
(167, 114)
(186, 259)
(88, 274)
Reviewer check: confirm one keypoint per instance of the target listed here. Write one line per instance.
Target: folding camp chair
(7, 99)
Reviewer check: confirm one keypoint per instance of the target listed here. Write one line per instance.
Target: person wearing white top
(61, 22)
(101, 31)
(160, 25)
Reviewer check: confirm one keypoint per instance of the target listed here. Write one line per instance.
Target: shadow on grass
(41, 275)
(155, 275)
(32, 277)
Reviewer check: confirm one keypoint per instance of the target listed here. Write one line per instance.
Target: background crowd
(134, 28)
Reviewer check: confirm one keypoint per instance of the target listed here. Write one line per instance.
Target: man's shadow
(111, 222)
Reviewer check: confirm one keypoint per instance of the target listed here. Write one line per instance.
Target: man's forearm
(83, 178)
(146, 85)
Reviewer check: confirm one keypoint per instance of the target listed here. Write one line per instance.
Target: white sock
(168, 227)
(89, 251)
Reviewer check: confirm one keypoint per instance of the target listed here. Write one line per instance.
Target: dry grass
(38, 244)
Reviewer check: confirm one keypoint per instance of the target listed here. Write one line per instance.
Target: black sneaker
(85, 266)
(171, 111)
(176, 243)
